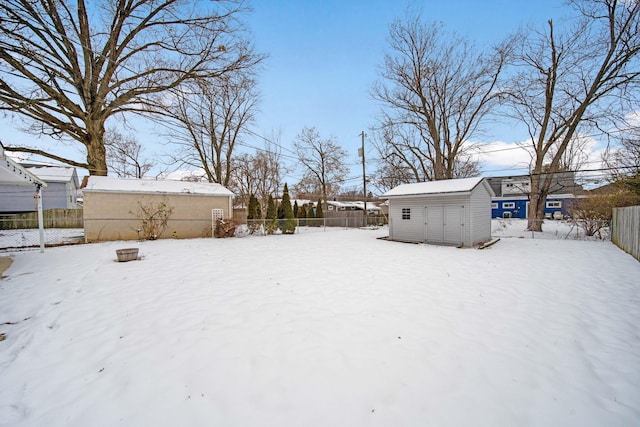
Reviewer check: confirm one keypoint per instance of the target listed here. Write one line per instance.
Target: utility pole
(364, 179)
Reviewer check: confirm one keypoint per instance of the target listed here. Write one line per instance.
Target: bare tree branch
(209, 118)
(570, 83)
(435, 89)
(69, 67)
(124, 156)
(322, 159)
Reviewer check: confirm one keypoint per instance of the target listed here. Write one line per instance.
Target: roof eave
(175, 193)
(459, 193)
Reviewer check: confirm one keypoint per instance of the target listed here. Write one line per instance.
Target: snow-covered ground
(323, 328)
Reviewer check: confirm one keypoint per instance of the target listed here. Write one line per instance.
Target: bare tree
(124, 155)
(623, 162)
(242, 181)
(208, 119)
(400, 161)
(573, 83)
(322, 159)
(309, 187)
(393, 166)
(258, 174)
(68, 67)
(435, 91)
(593, 213)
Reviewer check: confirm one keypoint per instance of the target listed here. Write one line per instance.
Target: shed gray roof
(462, 185)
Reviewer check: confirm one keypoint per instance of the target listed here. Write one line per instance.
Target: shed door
(453, 224)
(444, 224)
(434, 219)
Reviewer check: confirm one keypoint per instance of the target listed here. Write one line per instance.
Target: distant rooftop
(54, 173)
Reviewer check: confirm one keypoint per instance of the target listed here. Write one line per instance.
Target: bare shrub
(224, 228)
(593, 213)
(153, 217)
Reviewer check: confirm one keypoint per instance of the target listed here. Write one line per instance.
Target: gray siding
(451, 219)
(58, 195)
(19, 198)
(480, 216)
(411, 230)
(414, 230)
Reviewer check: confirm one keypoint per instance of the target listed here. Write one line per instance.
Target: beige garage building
(121, 209)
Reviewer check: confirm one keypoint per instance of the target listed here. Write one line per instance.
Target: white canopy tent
(14, 174)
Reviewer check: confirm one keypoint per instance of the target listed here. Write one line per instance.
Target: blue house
(512, 196)
(557, 206)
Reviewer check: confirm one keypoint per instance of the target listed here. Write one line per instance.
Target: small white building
(452, 212)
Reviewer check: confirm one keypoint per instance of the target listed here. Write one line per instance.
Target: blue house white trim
(518, 206)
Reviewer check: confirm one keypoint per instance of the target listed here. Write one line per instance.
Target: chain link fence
(569, 229)
(16, 233)
(270, 226)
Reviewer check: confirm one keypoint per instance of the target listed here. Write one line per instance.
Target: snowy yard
(323, 328)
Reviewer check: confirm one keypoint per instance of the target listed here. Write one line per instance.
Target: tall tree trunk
(96, 151)
(540, 186)
(536, 211)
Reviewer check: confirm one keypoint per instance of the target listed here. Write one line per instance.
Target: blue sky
(324, 57)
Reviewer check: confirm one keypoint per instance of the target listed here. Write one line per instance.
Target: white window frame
(554, 204)
(494, 206)
(406, 213)
(508, 205)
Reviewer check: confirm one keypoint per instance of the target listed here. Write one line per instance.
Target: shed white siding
(454, 218)
(406, 229)
(480, 216)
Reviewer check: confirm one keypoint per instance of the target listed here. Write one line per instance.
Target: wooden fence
(626, 230)
(53, 218)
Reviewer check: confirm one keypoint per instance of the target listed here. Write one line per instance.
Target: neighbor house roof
(463, 185)
(55, 173)
(130, 185)
(353, 204)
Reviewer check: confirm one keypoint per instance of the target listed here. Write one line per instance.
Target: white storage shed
(452, 212)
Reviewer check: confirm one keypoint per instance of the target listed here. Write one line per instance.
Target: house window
(508, 205)
(406, 213)
(494, 206)
(555, 204)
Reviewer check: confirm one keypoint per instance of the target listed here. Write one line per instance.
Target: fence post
(40, 219)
